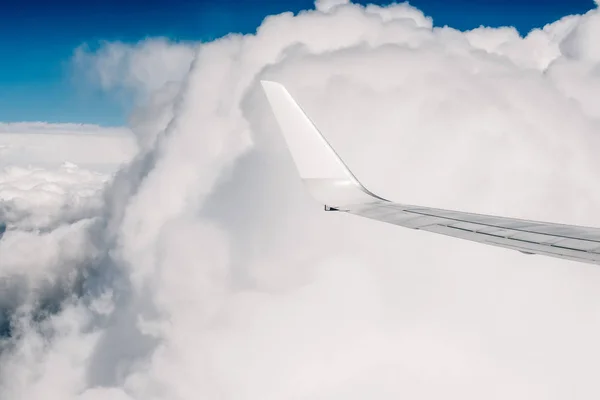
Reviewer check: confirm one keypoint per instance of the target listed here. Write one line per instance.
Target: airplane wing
(330, 182)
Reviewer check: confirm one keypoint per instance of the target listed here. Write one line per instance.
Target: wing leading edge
(330, 182)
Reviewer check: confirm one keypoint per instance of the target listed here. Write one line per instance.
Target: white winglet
(325, 175)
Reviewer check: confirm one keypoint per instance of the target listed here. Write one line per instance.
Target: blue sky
(37, 40)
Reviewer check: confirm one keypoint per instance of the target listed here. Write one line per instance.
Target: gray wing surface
(332, 183)
(570, 242)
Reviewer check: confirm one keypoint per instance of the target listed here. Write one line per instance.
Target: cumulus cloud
(48, 205)
(40, 198)
(327, 5)
(210, 273)
(143, 68)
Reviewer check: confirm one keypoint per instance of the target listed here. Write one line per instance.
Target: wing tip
(323, 172)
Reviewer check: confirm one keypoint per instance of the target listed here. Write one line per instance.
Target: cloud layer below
(50, 145)
(203, 270)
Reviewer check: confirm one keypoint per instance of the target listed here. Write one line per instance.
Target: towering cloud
(205, 271)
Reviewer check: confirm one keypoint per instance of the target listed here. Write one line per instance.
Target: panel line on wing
(511, 229)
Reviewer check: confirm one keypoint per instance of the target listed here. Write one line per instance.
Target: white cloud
(143, 68)
(36, 198)
(327, 5)
(60, 129)
(214, 275)
(42, 144)
(48, 205)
